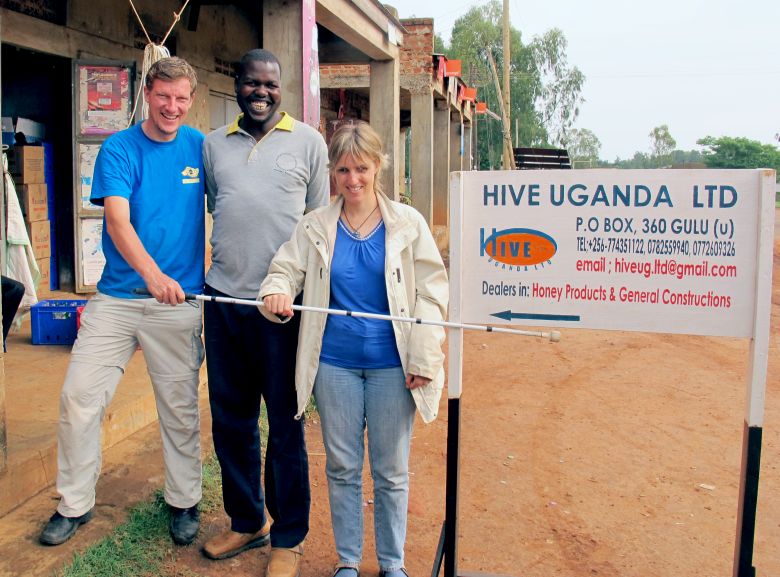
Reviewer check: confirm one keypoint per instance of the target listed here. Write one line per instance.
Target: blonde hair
(358, 139)
(171, 68)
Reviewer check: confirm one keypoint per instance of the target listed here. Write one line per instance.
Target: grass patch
(142, 546)
(139, 546)
(212, 486)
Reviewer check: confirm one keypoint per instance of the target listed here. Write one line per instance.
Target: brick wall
(415, 54)
(355, 106)
(344, 70)
(418, 46)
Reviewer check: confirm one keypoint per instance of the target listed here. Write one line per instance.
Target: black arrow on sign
(509, 315)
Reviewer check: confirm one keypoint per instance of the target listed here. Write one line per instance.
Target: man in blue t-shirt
(149, 179)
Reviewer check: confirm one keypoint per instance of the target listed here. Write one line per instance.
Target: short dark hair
(257, 55)
(171, 68)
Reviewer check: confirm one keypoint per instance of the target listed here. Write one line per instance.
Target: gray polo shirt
(257, 192)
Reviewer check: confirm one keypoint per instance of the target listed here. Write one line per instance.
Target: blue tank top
(357, 283)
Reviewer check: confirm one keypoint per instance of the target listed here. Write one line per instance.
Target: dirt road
(609, 453)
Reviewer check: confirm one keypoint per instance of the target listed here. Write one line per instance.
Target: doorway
(38, 87)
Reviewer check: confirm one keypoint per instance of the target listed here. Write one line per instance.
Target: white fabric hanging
(20, 259)
(152, 53)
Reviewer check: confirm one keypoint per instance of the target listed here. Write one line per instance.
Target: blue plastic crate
(54, 321)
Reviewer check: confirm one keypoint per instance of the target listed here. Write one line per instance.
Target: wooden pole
(509, 163)
(509, 156)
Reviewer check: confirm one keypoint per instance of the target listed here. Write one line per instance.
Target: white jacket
(416, 283)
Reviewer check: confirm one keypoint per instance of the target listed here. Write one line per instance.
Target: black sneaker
(184, 524)
(59, 529)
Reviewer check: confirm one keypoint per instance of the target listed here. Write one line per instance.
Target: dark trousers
(249, 357)
(13, 292)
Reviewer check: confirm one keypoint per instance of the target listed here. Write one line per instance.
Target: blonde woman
(364, 252)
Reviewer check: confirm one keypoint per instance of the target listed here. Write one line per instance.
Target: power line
(684, 74)
(623, 75)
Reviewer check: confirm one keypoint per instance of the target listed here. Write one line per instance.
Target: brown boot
(230, 543)
(285, 562)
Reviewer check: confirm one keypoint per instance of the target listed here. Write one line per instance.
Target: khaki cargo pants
(111, 330)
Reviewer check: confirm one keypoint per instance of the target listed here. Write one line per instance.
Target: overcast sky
(701, 67)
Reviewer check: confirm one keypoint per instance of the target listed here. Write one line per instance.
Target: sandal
(394, 573)
(346, 572)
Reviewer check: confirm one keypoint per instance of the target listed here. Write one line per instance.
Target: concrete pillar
(468, 160)
(422, 154)
(282, 35)
(474, 136)
(456, 150)
(456, 164)
(402, 161)
(3, 436)
(441, 162)
(385, 110)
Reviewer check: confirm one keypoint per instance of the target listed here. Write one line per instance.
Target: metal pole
(553, 336)
(451, 484)
(756, 393)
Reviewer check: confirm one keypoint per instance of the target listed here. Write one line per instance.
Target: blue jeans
(349, 401)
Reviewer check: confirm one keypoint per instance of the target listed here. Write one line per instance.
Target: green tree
(661, 145)
(545, 93)
(731, 152)
(639, 160)
(439, 47)
(583, 147)
(561, 91)
(644, 160)
(473, 34)
(686, 157)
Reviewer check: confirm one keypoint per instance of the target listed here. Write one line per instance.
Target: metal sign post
(448, 546)
(666, 251)
(756, 384)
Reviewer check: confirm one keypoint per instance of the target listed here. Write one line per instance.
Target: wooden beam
(357, 28)
(41, 36)
(336, 51)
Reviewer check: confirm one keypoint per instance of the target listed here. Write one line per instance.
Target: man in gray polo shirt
(262, 172)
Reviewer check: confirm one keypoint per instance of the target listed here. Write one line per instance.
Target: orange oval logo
(520, 246)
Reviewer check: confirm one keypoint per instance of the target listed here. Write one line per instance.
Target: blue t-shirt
(357, 283)
(164, 184)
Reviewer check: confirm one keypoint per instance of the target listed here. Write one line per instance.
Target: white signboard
(92, 258)
(645, 250)
(87, 156)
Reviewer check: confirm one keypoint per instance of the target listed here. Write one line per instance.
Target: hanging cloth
(20, 260)
(152, 53)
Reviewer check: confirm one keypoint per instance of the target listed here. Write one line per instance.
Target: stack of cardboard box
(27, 167)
